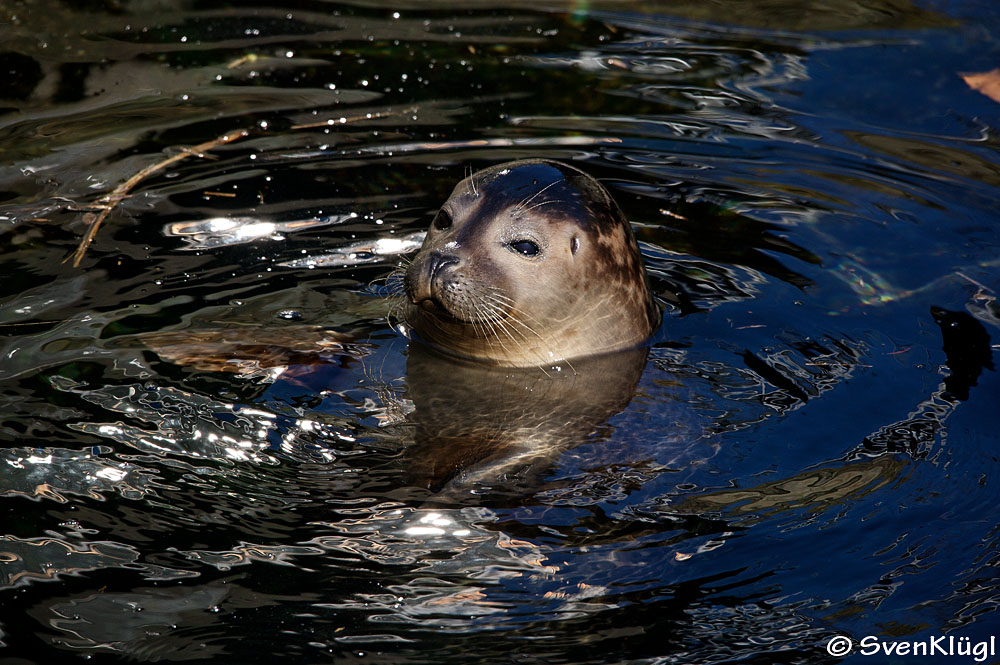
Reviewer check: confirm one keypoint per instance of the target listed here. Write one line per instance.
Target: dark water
(811, 449)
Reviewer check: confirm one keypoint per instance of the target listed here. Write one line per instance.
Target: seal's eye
(525, 247)
(442, 220)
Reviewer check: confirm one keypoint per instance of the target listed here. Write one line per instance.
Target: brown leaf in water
(987, 83)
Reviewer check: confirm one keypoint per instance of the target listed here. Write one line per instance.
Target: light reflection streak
(59, 472)
(225, 231)
(388, 150)
(27, 560)
(361, 252)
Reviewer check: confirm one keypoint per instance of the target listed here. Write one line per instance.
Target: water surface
(806, 450)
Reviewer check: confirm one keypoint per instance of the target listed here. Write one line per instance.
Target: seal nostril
(439, 261)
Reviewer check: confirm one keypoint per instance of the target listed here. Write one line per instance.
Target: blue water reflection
(219, 445)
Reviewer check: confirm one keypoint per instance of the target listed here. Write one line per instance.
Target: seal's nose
(422, 279)
(439, 261)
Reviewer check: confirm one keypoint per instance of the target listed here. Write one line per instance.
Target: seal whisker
(510, 331)
(513, 311)
(394, 276)
(484, 322)
(495, 340)
(396, 315)
(528, 200)
(498, 323)
(508, 304)
(472, 181)
(514, 319)
(498, 302)
(394, 284)
(540, 204)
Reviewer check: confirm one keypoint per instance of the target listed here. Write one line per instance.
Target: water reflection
(147, 623)
(809, 450)
(476, 428)
(483, 429)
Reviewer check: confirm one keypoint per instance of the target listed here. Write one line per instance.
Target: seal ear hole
(442, 220)
(574, 245)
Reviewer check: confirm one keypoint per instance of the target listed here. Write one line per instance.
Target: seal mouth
(432, 305)
(438, 310)
(423, 297)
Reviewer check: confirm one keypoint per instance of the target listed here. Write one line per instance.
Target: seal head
(529, 263)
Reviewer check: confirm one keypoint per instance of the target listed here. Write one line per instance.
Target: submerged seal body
(529, 263)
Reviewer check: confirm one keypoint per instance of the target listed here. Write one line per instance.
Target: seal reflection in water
(529, 263)
(480, 429)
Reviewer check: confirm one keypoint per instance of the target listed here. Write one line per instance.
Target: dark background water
(812, 447)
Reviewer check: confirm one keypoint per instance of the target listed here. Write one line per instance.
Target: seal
(529, 263)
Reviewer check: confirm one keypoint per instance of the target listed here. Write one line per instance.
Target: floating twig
(109, 202)
(106, 204)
